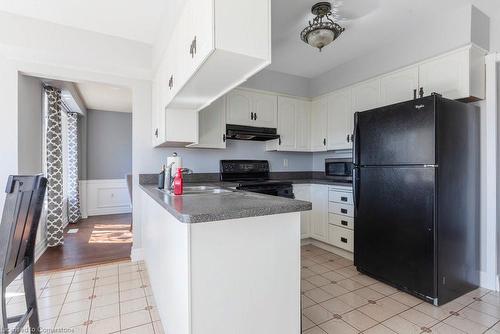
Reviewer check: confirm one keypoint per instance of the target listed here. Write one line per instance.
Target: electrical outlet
(285, 162)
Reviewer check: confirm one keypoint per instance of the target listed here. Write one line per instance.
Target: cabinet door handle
(156, 132)
(343, 199)
(344, 240)
(279, 141)
(347, 138)
(251, 116)
(324, 141)
(224, 138)
(255, 116)
(171, 82)
(192, 47)
(421, 92)
(352, 138)
(343, 222)
(344, 211)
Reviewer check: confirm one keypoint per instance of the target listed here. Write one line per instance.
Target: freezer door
(394, 226)
(400, 134)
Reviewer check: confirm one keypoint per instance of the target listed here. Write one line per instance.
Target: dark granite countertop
(230, 205)
(293, 177)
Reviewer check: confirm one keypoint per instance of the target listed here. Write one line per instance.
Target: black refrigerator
(416, 196)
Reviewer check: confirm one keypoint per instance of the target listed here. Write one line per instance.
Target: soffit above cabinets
(370, 25)
(98, 96)
(135, 20)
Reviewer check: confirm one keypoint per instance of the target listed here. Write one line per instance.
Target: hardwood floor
(99, 239)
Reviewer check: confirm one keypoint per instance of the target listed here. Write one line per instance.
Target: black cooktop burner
(253, 175)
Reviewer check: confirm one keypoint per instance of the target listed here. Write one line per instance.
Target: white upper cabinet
(210, 35)
(265, 110)
(287, 120)
(457, 75)
(251, 108)
(366, 95)
(212, 125)
(399, 86)
(340, 120)
(303, 126)
(239, 108)
(294, 123)
(319, 125)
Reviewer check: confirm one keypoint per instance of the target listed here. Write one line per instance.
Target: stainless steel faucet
(169, 178)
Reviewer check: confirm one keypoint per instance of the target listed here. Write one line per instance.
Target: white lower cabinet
(319, 216)
(331, 219)
(341, 237)
(302, 192)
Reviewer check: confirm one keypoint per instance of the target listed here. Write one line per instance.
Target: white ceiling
(105, 97)
(138, 20)
(369, 25)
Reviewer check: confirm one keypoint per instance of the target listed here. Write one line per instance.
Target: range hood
(241, 132)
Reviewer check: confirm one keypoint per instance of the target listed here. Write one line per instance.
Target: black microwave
(339, 170)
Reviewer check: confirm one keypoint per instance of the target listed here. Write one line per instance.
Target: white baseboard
(329, 248)
(485, 279)
(104, 197)
(488, 281)
(137, 254)
(40, 248)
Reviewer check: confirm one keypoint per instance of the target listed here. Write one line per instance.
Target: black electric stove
(253, 175)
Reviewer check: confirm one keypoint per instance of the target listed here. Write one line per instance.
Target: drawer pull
(343, 199)
(344, 240)
(344, 211)
(343, 222)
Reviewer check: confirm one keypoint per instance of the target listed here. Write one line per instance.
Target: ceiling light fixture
(322, 30)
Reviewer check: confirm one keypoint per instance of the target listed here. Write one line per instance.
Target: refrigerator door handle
(355, 188)
(355, 141)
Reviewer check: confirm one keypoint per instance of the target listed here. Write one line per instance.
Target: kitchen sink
(200, 190)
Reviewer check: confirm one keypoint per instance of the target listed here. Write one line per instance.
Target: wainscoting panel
(104, 197)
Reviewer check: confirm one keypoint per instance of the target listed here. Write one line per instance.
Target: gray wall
(207, 160)
(82, 147)
(280, 83)
(30, 124)
(109, 144)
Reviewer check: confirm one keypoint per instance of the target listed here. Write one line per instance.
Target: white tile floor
(113, 298)
(338, 299)
(116, 298)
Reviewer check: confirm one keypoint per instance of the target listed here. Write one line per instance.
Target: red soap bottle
(178, 183)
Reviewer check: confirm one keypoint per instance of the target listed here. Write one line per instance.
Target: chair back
(19, 224)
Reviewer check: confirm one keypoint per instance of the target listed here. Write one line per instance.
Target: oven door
(281, 191)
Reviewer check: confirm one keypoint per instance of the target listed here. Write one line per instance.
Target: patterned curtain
(74, 214)
(54, 168)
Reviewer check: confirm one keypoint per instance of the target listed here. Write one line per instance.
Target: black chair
(21, 215)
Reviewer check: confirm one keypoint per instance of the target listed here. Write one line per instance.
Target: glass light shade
(320, 37)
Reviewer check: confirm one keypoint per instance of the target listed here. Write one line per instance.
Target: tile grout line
(119, 301)
(91, 302)
(385, 296)
(64, 300)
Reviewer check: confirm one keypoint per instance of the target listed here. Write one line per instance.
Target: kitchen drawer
(341, 237)
(341, 209)
(341, 221)
(340, 197)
